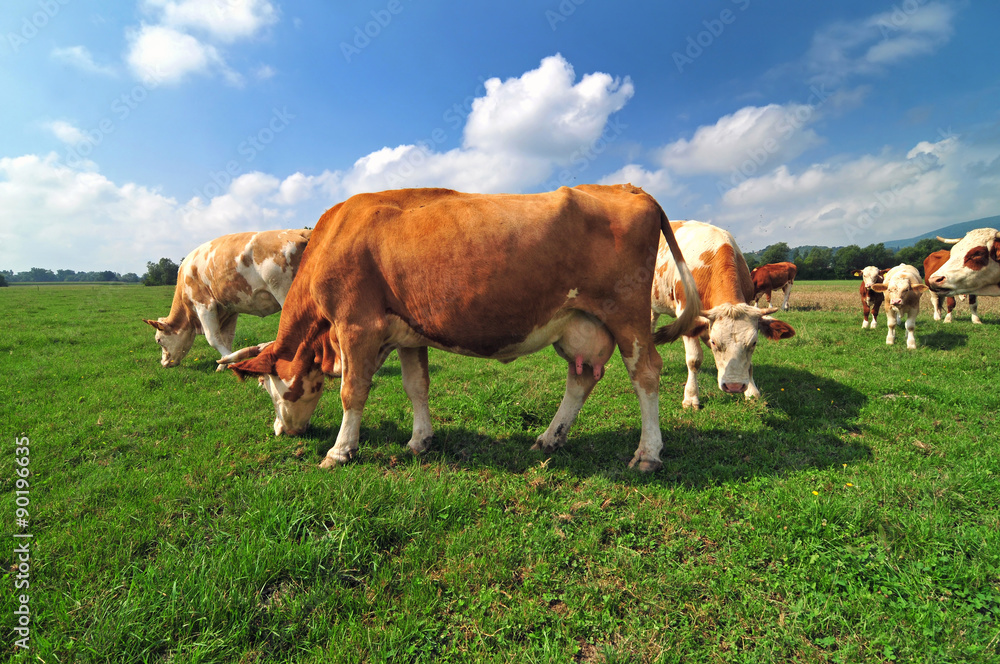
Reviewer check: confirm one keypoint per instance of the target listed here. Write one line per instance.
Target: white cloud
(164, 55)
(224, 20)
(66, 132)
(758, 134)
(865, 47)
(869, 199)
(516, 134)
(658, 184)
(80, 57)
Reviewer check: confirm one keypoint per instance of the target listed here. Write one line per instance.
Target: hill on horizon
(952, 231)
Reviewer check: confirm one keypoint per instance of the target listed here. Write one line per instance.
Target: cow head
(294, 381)
(731, 331)
(974, 263)
(175, 342)
(899, 289)
(871, 275)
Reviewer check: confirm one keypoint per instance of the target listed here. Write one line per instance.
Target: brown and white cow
(728, 324)
(871, 300)
(485, 275)
(773, 276)
(902, 287)
(973, 265)
(243, 273)
(932, 264)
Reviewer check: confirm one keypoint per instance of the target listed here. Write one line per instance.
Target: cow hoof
(645, 465)
(419, 446)
(693, 404)
(332, 460)
(328, 462)
(221, 367)
(549, 446)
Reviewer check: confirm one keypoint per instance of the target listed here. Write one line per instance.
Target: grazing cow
(931, 265)
(773, 276)
(903, 287)
(871, 300)
(728, 325)
(243, 273)
(973, 265)
(491, 276)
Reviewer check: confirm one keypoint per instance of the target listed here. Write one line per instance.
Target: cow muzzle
(734, 388)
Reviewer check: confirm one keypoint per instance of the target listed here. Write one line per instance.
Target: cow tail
(692, 303)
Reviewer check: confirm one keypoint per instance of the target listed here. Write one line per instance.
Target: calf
(903, 287)
(871, 300)
(243, 273)
(729, 325)
(932, 264)
(773, 276)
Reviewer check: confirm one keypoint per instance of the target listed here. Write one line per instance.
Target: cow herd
(585, 269)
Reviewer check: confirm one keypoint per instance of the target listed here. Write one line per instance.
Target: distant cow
(903, 288)
(486, 275)
(931, 265)
(243, 273)
(871, 300)
(729, 325)
(973, 265)
(773, 276)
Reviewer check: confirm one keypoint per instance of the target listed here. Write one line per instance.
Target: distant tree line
(39, 274)
(841, 262)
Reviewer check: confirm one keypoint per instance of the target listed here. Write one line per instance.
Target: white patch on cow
(954, 277)
(572, 293)
(869, 275)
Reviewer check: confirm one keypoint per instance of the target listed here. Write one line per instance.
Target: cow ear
(879, 288)
(698, 328)
(920, 288)
(262, 365)
(856, 273)
(775, 329)
(159, 325)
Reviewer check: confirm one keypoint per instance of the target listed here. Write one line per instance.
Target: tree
(916, 254)
(163, 273)
(775, 253)
(130, 278)
(817, 264)
(878, 255)
(3, 281)
(847, 260)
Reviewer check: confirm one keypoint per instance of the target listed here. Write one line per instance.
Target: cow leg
(767, 294)
(212, 327)
(416, 380)
(227, 333)
(864, 318)
(693, 355)
(890, 320)
(875, 307)
(578, 388)
(360, 360)
(950, 302)
(936, 303)
(911, 324)
(644, 364)
(974, 309)
(788, 291)
(751, 392)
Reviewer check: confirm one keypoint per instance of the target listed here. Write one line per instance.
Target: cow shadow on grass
(812, 423)
(943, 340)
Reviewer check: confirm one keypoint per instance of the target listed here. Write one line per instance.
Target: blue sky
(139, 129)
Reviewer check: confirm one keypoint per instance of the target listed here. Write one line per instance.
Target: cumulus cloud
(223, 20)
(66, 132)
(868, 199)
(80, 58)
(514, 137)
(166, 51)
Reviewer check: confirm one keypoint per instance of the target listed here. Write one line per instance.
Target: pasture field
(852, 515)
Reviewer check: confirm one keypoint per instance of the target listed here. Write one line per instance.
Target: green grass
(853, 515)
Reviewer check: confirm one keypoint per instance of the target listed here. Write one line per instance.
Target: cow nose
(897, 302)
(734, 388)
(937, 279)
